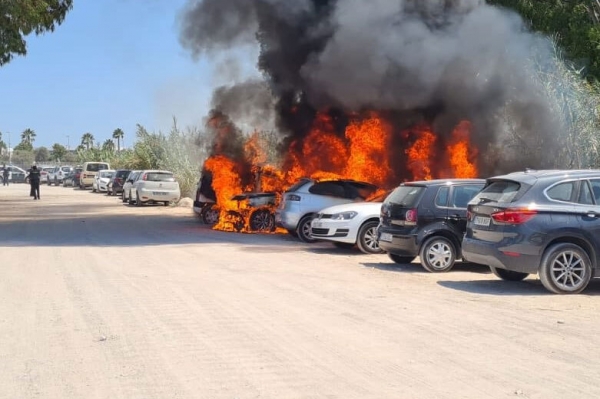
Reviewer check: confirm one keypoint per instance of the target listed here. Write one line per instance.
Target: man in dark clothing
(34, 181)
(5, 175)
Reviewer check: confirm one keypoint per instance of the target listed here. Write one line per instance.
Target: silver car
(301, 202)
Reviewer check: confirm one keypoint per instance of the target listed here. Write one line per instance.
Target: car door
(135, 184)
(460, 195)
(590, 221)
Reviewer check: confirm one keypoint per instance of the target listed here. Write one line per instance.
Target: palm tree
(87, 140)
(28, 136)
(109, 145)
(118, 134)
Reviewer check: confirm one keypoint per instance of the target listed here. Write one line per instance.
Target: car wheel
(93, 189)
(123, 197)
(367, 238)
(565, 269)
(55, 181)
(438, 254)
(129, 199)
(262, 220)
(400, 259)
(137, 200)
(343, 245)
(303, 229)
(508, 275)
(210, 214)
(166, 203)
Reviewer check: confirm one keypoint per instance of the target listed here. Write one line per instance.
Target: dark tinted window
(159, 176)
(95, 167)
(66, 168)
(122, 173)
(442, 196)
(562, 191)
(596, 190)
(585, 194)
(461, 195)
(406, 196)
(499, 191)
(330, 188)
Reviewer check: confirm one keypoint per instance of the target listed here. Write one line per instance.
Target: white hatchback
(154, 186)
(100, 183)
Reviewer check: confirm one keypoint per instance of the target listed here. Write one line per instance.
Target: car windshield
(106, 174)
(159, 176)
(65, 168)
(406, 196)
(95, 167)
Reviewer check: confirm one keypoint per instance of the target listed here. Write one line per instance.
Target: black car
(545, 222)
(115, 185)
(427, 219)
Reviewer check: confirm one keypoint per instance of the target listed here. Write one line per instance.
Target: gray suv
(545, 222)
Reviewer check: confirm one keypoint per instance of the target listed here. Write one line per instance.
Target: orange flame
(460, 157)
(420, 154)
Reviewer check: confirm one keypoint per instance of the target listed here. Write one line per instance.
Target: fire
(460, 152)
(420, 154)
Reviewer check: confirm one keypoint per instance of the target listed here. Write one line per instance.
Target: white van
(89, 172)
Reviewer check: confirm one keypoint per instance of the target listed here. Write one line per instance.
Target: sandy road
(103, 300)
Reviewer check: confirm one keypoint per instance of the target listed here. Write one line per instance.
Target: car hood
(363, 208)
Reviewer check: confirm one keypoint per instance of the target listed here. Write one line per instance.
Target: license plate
(387, 237)
(481, 221)
(158, 193)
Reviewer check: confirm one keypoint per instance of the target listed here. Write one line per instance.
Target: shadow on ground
(416, 267)
(527, 287)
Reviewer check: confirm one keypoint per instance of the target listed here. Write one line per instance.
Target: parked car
(206, 199)
(427, 219)
(115, 185)
(45, 174)
(58, 173)
(100, 183)
(254, 213)
(15, 174)
(154, 186)
(350, 224)
(90, 169)
(545, 222)
(301, 202)
(72, 179)
(127, 186)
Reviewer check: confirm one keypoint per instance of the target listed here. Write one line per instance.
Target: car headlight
(344, 215)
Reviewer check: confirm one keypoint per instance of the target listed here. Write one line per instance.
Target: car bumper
(404, 245)
(330, 230)
(287, 220)
(158, 196)
(489, 254)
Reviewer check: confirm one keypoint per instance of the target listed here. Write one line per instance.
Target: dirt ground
(103, 300)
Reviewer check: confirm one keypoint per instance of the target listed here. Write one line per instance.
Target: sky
(111, 64)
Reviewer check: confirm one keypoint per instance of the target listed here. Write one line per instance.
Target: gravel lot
(104, 300)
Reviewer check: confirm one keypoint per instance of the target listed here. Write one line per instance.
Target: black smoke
(438, 61)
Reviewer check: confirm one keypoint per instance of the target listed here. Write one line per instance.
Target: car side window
(585, 194)
(596, 190)
(461, 195)
(441, 198)
(562, 192)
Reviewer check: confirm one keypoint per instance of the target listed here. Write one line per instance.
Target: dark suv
(115, 185)
(545, 222)
(427, 219)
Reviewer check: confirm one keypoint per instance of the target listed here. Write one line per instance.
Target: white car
(100, 183)
(154, 186)
(350, 224)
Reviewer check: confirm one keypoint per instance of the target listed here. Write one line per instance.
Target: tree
(59, 152)
(24, 146)
(108, 146)
(118, 135)
(19, 18)
(3, 145)
(41, 154)
(28, 136)
(87, 140)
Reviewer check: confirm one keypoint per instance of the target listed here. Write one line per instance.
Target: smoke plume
(436, 60)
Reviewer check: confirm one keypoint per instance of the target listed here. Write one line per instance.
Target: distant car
(427, 219)
(57, 174)
(100, 183)
(72, 178)
(128, 185)
(302, 202)
(89, 172)
(115, 185)
(45, 174)
(15, 174)
(154, 186)
(350, 224)
(544, 222)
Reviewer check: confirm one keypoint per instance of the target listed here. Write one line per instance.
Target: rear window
(405, 196)
(499, 191)
(107, 174)
(123, 173)
(65, 168)
(159, 176)
(95, 167)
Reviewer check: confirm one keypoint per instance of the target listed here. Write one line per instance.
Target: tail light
(145, 177)
(293, 197)
(513, 216)
(411, 217)
(469, 215)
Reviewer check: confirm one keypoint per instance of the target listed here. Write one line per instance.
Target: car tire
(56, 181)
(262, 220)
(508, 275)
(129, 199)
(343, 245)
(166, 203)
(210, 215)
(123, 197)
(138, 202)
(437, 254)
(565, 260)
(367, 238)
(400, 259)
(303, 230)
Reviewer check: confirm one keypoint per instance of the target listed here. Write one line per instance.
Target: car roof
(441, 182)
(530, 176)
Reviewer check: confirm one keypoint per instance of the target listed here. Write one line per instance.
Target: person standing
(34, 181)
(5, 175)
